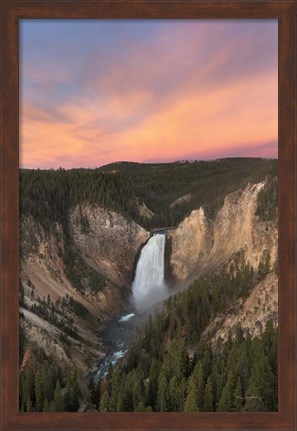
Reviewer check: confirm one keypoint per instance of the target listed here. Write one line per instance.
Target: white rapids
(126, 317)
(149, 286)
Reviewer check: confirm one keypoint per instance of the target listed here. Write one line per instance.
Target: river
(148, 289)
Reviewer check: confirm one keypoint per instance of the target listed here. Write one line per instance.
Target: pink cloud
(154, 103)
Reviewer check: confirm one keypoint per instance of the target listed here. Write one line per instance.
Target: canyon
(110, 244)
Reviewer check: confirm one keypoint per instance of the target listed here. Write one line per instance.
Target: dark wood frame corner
(14, 10)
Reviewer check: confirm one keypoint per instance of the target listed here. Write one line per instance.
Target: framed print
(148, 192)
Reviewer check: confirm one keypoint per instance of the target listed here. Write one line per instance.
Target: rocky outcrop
(144, 211)
(200, 244)
(237, 227)
(191, 244)
(251, 313)
(107, 241)
(38, 247)
(42, 266)
(181, 199)
(76, 353)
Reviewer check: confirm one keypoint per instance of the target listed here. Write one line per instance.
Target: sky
(94, 92)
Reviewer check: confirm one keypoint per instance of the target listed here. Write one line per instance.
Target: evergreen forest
(174, 366)
(48, 195)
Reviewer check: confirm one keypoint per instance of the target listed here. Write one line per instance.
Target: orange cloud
(155, 103)
(191, 124)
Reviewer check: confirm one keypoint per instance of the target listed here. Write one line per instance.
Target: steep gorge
(109, 244)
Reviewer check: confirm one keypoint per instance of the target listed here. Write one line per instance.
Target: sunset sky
(99, 91)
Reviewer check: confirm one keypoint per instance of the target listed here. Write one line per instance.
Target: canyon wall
(108, 242)
(199, 244)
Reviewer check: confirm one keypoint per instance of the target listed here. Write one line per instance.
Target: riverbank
(119, 334)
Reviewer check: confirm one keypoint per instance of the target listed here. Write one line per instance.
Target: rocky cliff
(251, 313)
(199, 244)
(107, 242)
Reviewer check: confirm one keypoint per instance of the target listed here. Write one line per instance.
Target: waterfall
(149, 285)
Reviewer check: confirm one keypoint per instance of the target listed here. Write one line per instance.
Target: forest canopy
(170, 191)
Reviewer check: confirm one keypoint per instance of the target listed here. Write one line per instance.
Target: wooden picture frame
(285, 13)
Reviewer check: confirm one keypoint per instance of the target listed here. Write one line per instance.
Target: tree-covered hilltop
(172, 366)
(124, 187)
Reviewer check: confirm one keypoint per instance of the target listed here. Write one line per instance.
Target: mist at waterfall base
(148, 289)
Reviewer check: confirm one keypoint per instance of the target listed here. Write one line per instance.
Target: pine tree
(121, 402)
(191, 401)
(95, 392)
(28, 403)
(58, 398)
(137, 391)
(74, 396)
(238, 399)
(46, 406)
(226, 400)
(208, 397)
(153, 383)
(48, 383)
(200, 385)
(219, 378)
(104, 403)
(52, 407)
(177, 359)
(39, 397)
(30, 383)
(261, 386)
(67, 396)
(117, 382)
(163, 395)
(239, 336)
(253, 400)
(127, 399)
(242, 368)
(195, 392)
(269, 341)
(206, 362)
(174, 395)
(264, 265)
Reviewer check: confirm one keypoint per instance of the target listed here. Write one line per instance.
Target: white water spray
(149, 285)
